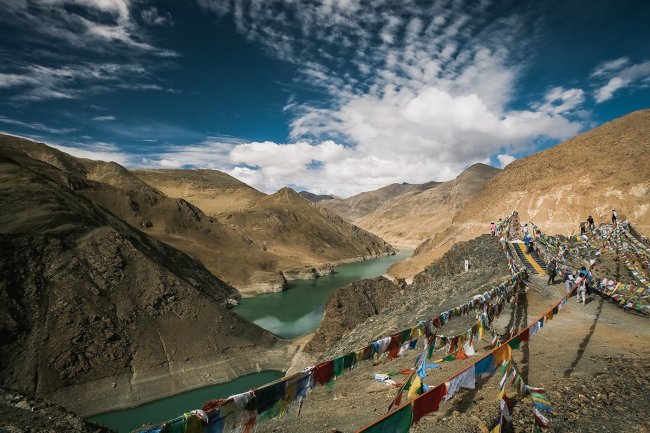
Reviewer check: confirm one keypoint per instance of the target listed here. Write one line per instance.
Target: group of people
(580, 279)
(592, 226)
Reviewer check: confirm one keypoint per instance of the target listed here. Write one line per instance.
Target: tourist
(614, 217)
(551, 269)
(583, 229)
(568, 279)
(493, 228)
(528, 242)
(582, 289)
(590, 220)
(525, 229)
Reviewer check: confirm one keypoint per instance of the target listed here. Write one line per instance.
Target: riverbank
(126, 391)
(282, 281)
(299, 310)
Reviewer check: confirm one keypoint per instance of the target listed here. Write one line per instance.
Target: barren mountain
(213, 191)
(590, 174)
(316, 197)
(412, 217)
(290, 226)
(355, 207)
(94, 311)
(228, 255)
(284, 225)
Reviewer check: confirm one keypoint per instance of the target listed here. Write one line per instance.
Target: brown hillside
(359, 205)
(213, 191)
(289, 225)
(590, 174)
(284, 225)
(177, 222)
(95, 314)
(410, 218)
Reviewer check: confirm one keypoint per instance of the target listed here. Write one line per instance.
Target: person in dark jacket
(590, 220)
(551, 269)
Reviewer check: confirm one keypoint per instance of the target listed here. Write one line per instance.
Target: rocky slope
(414, 216)
(590, 174)
(290, 226)
(284, 225)
(359, 205)
(96, 313)
(20, 413)
(368, 309)
(349, 306)
(213, 191)
(175, 221)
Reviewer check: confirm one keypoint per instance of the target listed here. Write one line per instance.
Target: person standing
(493, 228)
(614, 217)
(583, 229)
(551, 269)
(590, 220)
(568, 280)
(582, 289)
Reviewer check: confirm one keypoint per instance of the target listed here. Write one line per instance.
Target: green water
(299, 310)
(126, 420)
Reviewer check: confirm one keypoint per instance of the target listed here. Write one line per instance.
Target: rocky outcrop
(20, 413)
(349, 306)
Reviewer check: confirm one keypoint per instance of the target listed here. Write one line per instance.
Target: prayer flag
(397, 422)
(428, 402)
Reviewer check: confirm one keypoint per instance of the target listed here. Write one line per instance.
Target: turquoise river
(292, 313)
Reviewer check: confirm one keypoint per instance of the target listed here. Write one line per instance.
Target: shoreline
(131, 390)
(248, 292)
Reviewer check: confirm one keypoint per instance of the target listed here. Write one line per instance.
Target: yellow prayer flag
(415, 387)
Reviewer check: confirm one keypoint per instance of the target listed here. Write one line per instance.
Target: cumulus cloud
(416, 94)
(505, 160)
(619, 74)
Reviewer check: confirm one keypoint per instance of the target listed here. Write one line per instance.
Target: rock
(22, 404)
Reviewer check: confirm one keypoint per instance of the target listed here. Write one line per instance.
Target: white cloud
(610, 66)
(417, 94)
(505, 160)
(65, 36)
(152, 17)
(73, 81)
(97, 151)
(619, 76)
(559, 100)
(104, 118)
(37, 126)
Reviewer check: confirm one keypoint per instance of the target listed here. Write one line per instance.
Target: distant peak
(479, 167)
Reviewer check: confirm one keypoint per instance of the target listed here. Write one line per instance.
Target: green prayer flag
(348, 360)
(338, 366)
(397, 422)
(514, 343)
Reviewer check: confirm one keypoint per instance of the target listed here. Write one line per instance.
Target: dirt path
(592, 359)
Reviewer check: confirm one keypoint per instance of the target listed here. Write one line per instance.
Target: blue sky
(333, 96)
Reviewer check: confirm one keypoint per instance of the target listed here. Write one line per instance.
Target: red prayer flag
(428, 402)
